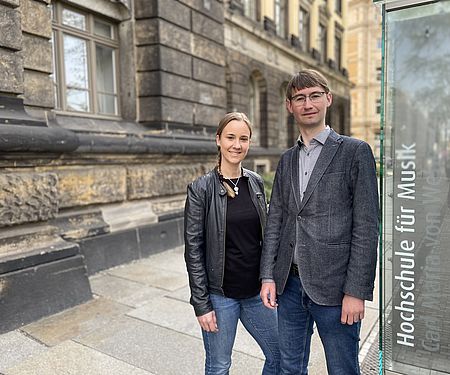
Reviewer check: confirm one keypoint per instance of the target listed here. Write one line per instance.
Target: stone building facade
(108, 110)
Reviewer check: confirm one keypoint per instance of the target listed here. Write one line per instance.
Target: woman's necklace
(236, 187)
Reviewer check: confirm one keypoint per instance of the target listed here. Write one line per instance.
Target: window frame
(281, 19)
(323, 42)
(91, 40)
(378, 70)
(304, 37)
(378, 106)
(338, 6)
(250, 9)
(338, 42)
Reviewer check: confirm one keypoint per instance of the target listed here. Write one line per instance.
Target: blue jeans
(258, 320)
(296, 315)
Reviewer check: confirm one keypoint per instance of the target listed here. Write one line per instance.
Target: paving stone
(182, 294)
(75, 322)
(147, 274)
(170, 260)
(169, 313)
(317, 361)
(15, 348)
(368, 323)
(70, 358)
(179, 316)
(123, 291)
(159, 350)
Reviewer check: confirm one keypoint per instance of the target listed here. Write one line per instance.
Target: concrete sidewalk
(139, 323)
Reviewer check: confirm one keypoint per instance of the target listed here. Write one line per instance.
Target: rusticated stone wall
(11, 67)
(37, 64)
(91, 185)
(180, 63)
(25, 51)
(27, 197)
(146, 181)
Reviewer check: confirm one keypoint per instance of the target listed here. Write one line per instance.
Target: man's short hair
(304, 79)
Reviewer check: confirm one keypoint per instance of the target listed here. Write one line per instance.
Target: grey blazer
(335, 226)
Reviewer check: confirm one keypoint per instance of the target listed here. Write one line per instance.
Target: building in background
(364, 70)
(108, 109)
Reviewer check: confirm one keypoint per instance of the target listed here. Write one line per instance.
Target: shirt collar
(321, 137)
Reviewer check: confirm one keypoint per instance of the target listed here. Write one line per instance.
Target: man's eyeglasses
(314, 97)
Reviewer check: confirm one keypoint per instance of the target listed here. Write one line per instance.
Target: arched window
(254, 109)
(257, 109)
(283, 130)
(323, 42)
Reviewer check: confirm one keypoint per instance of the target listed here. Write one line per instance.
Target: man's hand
(352, 310)
(268, 294)
(208, 322)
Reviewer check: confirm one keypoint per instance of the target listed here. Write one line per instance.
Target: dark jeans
(296, 315)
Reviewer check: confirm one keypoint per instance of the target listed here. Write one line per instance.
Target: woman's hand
(208, 322)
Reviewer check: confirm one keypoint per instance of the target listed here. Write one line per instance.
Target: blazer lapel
(295, 177)
(326, 156)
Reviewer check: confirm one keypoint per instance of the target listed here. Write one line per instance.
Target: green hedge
(268, 183)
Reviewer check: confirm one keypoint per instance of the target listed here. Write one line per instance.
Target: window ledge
(115, 10)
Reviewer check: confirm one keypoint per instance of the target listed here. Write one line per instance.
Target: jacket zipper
(257, 205)
(224, 240)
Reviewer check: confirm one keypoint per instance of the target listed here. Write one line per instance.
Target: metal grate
(370, 363)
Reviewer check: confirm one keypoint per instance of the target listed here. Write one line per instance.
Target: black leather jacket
(204, 234)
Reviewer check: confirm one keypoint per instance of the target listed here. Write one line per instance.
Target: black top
(242, 245)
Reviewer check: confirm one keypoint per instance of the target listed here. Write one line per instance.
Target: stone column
(180, 64)
(37, 52)
(11, 67)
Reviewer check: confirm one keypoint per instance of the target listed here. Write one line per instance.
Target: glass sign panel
(416, 203)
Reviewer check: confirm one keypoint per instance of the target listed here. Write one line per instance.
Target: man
(320, 244)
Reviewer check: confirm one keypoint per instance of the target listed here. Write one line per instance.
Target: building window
(261, 166)
(323, 42)
(283, 116)
(280, 17)
(377, 147)
(85, 56)
(338, 31)
(250, 9)
(378, 106)
(338, 6)
(254, 109)
(379, 73)
(337, 51)
(303, 28)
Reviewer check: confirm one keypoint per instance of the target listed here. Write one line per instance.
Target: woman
(225, 215)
